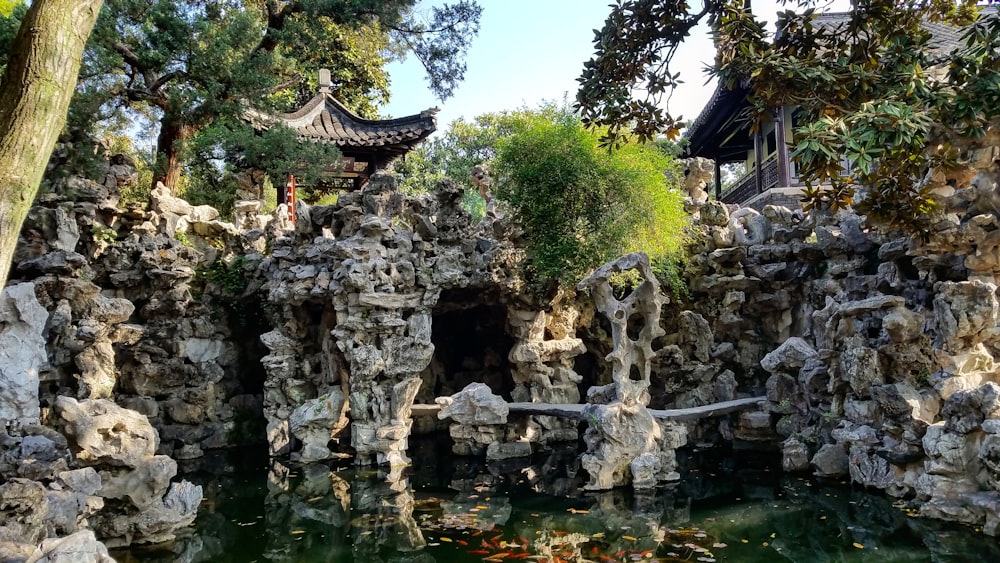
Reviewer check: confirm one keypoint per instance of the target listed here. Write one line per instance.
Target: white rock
(22, 353)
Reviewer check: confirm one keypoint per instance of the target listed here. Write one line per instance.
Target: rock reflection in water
(467, 510)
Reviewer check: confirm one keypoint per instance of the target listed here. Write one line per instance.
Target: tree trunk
(34, 96)
(174, 134)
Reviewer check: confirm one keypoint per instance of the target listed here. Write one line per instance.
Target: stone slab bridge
(576, 411)
(634, 444)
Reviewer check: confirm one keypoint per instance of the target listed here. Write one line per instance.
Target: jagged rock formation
(101, 308)
(91, 468)
(625, 444)
(355, 290)
(876, 351)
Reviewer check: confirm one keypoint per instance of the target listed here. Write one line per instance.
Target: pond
(728, 507)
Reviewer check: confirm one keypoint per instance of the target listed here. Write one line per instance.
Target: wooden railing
(746, 187)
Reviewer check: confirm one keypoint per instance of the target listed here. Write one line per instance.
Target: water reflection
(466, 510)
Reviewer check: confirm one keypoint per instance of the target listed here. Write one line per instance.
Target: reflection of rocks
(383, 518)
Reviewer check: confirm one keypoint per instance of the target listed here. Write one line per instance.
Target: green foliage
(669, 271)
(222, 149)
(188, 64)
(624, 282)
(873, 90)
(229, 276)
(11, 12)
(7, 7)
(581, 206)
(467, 144)
(104, 234)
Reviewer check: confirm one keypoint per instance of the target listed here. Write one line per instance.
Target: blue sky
(529, 51)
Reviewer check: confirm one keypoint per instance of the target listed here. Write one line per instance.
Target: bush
(580, 205)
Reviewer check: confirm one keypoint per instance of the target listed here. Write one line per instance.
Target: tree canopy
(872, 90)
(579, 205)
(187, 64)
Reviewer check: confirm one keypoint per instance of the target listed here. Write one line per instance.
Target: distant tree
(216, 155)
(35, 90)
(186, 64)
(466, 144)
(866, 89)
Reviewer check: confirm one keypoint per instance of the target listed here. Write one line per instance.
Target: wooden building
(367, 145)
(722, 132)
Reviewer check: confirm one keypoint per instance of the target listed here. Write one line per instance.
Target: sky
(530, 51)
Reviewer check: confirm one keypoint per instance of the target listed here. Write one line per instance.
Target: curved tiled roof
(721, 113)
(326, 120)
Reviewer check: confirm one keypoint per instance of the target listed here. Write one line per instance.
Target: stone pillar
(543, 367)
(624, 443)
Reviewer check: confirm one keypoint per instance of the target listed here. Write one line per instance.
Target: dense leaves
(11, 13)
(874, 91)
(217, 155)
(580, 206)
(188, 63)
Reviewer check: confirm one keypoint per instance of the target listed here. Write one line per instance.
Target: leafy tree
(188, 63)
(579, 205)
(35, 90)
(11, 14)
(872, 90)
(215, 155)
(7, 7)
(467, 144)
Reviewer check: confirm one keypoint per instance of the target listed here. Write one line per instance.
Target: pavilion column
(758, 160)
(718, 179)
(779, 131)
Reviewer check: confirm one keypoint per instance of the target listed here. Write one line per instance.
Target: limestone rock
(830, 461)
(964, 411)
(142, 485)
(102, 432)
(80, 547)
(794, 455)
(23, 508)
(749, 227)
(22, 353)
(789, 357)
(315, 422)
(474, 405)
(860, 367)
(965, 313)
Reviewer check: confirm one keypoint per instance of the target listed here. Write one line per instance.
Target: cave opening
(471, 344)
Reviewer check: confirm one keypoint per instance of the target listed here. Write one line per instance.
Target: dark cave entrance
(471, 344)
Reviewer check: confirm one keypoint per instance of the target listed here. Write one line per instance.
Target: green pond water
(728, 507)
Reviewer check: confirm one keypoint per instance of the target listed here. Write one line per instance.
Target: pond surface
(734, 508)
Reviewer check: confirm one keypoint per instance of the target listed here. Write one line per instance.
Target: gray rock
(474, 405)
(830, 461)
(102, 432)
(315, 422)
(794, 455)
(22, 353)
(143, 485)
(80, 547)
(789, 357)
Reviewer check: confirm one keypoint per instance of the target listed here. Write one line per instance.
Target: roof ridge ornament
(324, 81)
